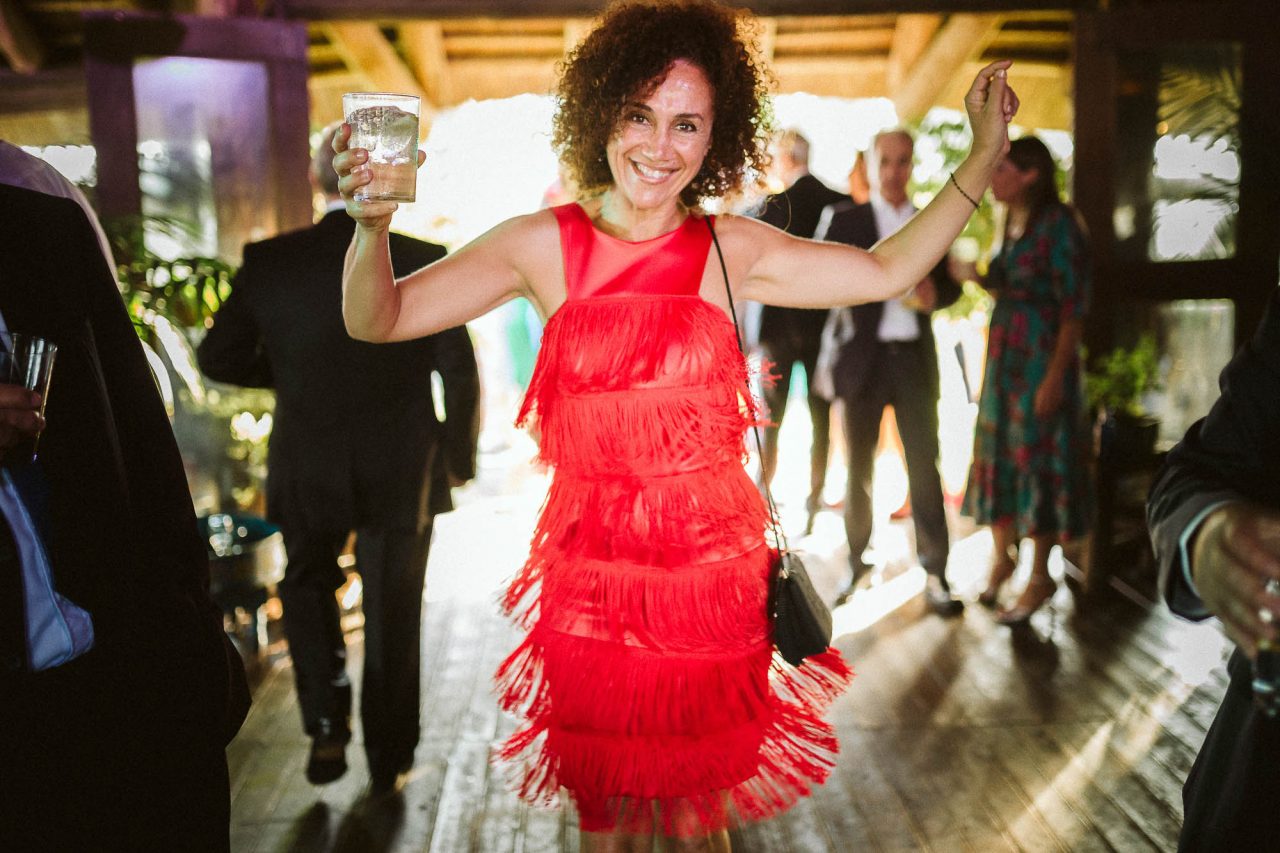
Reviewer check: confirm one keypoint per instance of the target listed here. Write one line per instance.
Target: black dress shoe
(386, 774)
(938, 597)
(328, 759)
(383, 783)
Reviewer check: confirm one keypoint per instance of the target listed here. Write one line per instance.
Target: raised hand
(991, 104)
(352, 166)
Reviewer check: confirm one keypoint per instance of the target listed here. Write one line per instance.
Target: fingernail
(1000, 73)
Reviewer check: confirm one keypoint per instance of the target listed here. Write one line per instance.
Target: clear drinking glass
(387, 126)
(26, 360)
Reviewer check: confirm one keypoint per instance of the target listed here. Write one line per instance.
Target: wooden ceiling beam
(503, 26)
(575, 30)
(961, 39)
(911, 35)
(18, 40)
(541, 9)
(829, 23)
(768, 39)
(504, 45)
(366, 50)
(834, 42)
(1031, 40)
(423, 43)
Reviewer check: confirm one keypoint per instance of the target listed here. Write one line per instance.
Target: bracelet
(967, 197)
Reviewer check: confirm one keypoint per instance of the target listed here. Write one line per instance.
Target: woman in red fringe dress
(648, 684)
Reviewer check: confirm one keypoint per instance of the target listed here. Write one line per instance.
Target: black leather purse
(801, 620)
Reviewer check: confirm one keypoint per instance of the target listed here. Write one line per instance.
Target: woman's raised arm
(786, 270)
(509, 260)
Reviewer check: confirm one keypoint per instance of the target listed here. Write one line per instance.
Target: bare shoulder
(744, 237)
(527, 231)
(524, 243)
(529, 245)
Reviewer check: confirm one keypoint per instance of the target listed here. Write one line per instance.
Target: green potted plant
(222, 430)
(1115, 387)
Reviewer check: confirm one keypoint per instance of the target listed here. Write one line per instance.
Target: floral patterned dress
(1028, 472)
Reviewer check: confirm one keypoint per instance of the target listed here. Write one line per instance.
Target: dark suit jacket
(355, 439)
(855, 225)
(1232, 454)
(796, 211)
(122, 537)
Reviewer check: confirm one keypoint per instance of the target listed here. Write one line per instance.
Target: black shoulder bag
(801, 621)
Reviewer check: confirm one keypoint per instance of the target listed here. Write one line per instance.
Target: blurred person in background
(859, 186)
(791, 336)
(886, 357)
(1030, 476)
(355, 446)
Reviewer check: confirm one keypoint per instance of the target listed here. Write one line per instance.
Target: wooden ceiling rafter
(767, 39)
(911, 35)
(452, 58)
(574, 31)
(424, 50)
(368, 52)
(961, 39)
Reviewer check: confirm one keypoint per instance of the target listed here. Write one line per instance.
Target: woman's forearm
(911, 253)
(370, 299)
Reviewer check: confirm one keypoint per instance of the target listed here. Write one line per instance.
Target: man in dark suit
(890, 360)
(124, 745)
(790, 335)
(1214, 516)
(356, 445)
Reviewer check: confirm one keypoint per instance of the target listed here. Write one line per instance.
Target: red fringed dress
(647, 681)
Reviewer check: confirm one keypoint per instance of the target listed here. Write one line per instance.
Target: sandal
(1039, 590)
(1001, 571)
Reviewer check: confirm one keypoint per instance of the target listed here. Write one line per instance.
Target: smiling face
(662, 139)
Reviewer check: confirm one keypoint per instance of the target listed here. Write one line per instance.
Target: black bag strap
(779, 536)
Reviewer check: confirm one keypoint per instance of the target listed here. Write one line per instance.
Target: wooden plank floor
(956, 734)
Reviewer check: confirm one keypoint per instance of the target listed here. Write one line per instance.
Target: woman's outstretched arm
(518, 257)
(785, 270)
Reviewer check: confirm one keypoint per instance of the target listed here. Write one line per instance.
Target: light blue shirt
(1184, 545)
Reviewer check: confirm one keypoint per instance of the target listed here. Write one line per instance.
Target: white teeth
(654, 174)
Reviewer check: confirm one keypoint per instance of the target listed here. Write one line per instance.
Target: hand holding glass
(26, 361)
(387, 127)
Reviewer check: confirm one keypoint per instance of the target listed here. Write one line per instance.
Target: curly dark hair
(628, 56)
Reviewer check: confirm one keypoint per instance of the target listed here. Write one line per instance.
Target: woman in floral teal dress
(1030, 474)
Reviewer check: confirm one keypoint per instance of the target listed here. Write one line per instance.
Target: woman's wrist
(973, 176)
(374, 232)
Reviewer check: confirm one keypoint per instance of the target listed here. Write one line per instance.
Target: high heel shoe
(1001, 571)
(1039, 590)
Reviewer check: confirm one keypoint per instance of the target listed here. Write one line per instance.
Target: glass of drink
(386, 126)
(26, 360)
